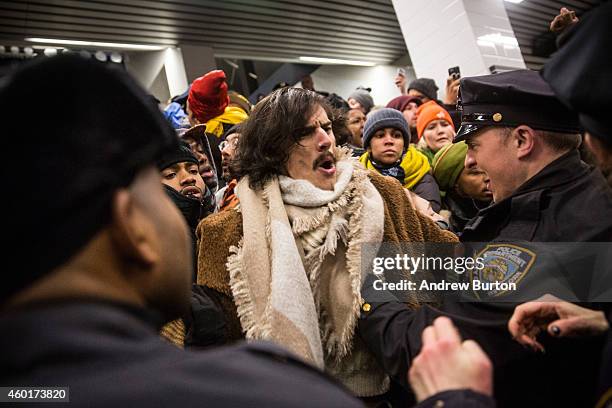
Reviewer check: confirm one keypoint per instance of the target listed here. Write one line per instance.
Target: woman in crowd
(435, 129)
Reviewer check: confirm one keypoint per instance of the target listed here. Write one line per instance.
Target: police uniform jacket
(567, 201)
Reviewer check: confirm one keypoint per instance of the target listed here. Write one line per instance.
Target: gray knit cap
(426, 86)
(384, 118)
(364, 98)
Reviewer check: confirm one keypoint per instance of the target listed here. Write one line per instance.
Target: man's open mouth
(192, 192)
(326, 164)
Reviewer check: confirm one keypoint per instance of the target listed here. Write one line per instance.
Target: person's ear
(132, 232)
(523, 139)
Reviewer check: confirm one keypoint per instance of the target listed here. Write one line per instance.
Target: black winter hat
(75, 162)
(426, 86)
(180, 154)
(383, 118)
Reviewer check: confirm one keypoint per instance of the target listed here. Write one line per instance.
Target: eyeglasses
(232, 143)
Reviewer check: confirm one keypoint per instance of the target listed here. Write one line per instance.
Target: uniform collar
(523, 206)
(562, 170)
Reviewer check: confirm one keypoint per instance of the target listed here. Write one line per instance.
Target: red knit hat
(431, 111)
(401, 102)
(208, 96)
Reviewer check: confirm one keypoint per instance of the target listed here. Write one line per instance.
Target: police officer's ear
(523, 138)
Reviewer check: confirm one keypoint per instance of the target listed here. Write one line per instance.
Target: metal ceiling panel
(364, 30)
(345, 29)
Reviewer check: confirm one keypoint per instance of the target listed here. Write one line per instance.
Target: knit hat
(364, 98)
(401, 102)
(448, 164)
(114, 131)
(426, 86)
(384, 118)
(208, 96)
(180, 154)
(431, 111)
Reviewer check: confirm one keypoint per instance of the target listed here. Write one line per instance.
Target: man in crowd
(185, 187)
(408, 105)
(526, 141)
(386, 138)
(298, 283)
(424, 89)
(355, 122)
(529, 151)
(204, 324)
(113, 261)
(200, 145)
(226, 197)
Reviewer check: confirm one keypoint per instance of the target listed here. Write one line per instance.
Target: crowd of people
(213, 253)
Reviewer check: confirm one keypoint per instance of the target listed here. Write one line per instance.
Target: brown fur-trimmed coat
(218, 232)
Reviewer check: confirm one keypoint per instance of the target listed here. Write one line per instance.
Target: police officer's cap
(511, 99)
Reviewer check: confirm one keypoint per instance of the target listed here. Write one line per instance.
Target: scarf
(296, 274)
(232, 116)
(409, 171)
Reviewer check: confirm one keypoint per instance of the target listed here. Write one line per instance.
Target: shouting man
(286, 264)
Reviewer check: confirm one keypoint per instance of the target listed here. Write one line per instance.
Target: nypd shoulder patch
(504, 264)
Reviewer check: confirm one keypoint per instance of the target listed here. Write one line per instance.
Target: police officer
(527, 142)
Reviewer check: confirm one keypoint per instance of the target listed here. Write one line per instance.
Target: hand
(559, 318)
(446, 363)
(400, 83)
(452, 90)
(423, 206)
(564, 19)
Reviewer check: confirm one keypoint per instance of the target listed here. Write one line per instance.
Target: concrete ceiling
(248, 29)
(274, 30)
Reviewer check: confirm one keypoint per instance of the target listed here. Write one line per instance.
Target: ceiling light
(337, 61)
(514, 1)
(116, 57)
(100, 56)
(97, 44)
(497, 38)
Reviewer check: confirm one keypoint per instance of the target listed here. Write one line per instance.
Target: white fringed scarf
(296, 274)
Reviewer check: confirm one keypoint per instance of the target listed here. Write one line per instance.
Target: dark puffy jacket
(428, 189)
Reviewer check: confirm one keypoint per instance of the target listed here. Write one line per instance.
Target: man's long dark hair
(275, 126)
